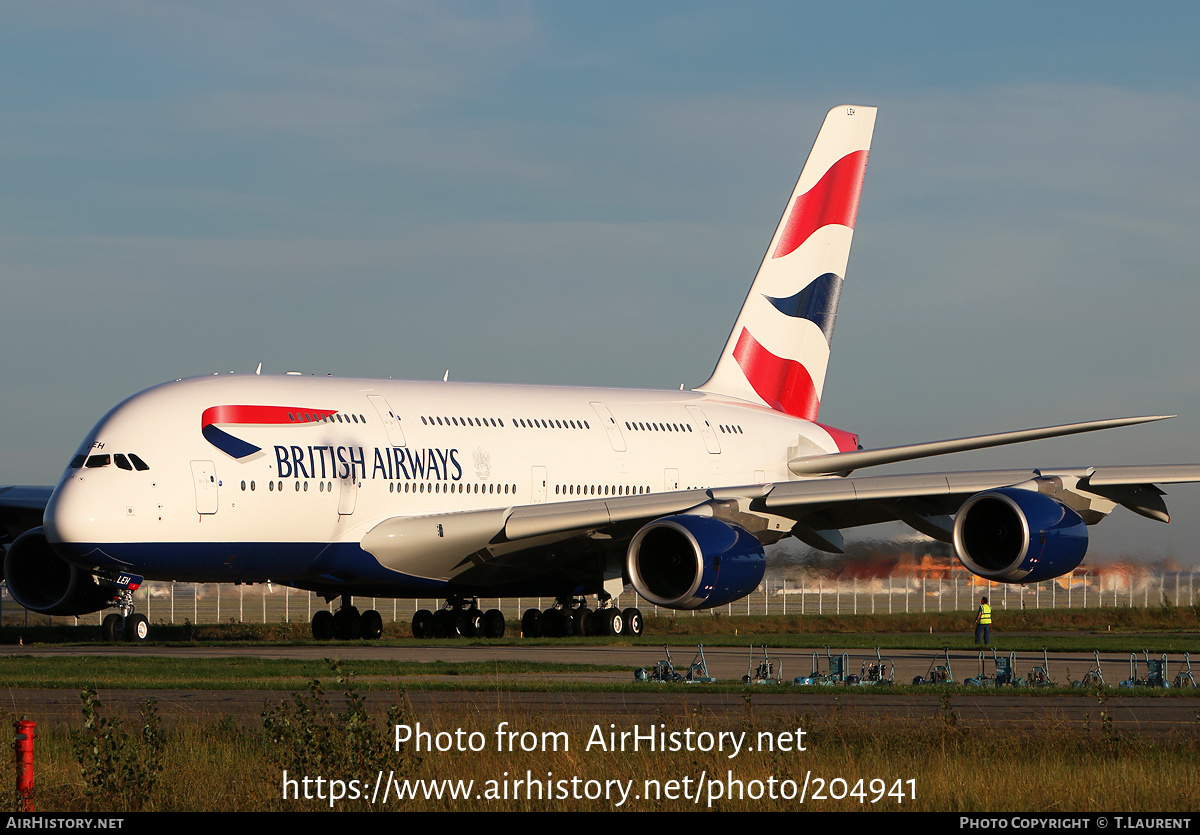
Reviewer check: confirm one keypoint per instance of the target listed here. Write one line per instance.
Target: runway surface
(971, 709)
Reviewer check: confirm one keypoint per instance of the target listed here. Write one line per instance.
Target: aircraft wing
(926, 500)
(813, 510)
(21, 508)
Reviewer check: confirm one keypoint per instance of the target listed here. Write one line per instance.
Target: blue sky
(581, 193)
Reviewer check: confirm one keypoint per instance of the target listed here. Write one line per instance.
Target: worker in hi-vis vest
(983, 623)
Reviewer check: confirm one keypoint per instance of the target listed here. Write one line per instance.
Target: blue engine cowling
(694, 562)
(42, 581)
(1018, 536)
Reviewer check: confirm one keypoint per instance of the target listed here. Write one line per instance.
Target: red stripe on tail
(834, 199)
(783, 384)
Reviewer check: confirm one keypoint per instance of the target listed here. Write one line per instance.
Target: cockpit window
(124, 461)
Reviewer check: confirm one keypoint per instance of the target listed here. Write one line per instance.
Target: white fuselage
(339, 456)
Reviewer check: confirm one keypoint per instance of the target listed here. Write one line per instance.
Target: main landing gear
(571, 616)
(127, 626)
(461, 617)
(347, 623)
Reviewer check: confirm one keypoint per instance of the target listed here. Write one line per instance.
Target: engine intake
(1018, 536)
(694, 562)
(43, 582)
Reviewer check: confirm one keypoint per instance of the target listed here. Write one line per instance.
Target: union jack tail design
(779, 347)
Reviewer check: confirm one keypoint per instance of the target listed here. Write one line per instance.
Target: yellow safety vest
(985, 614)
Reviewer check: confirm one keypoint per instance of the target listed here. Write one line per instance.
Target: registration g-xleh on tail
(462, 491)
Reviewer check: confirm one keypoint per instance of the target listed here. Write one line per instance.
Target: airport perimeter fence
(175, 603)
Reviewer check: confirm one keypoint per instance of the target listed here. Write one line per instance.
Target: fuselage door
(706, 430)
(391, 421)
(610, 426)
(349, 496)
(539, 485)
(204, 479)
(671, 479)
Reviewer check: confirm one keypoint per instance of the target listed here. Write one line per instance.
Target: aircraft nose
(72, 517)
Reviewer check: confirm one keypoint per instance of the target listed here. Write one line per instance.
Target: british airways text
(391, 463)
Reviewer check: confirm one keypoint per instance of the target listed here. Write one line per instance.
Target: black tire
(552, 623)
(474, 623)
(633, 622)
(422, 624)
(372, 625)
(136, 629)
(595, 624)
(464, 626)
(614, 624)
(111, 628)
(443, 623)
(347, 624)
(493, 624)
(582, 617)
(322, 625)
(531, 623)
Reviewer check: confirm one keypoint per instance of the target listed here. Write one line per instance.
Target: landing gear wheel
(581, 618)
(347, 625)
(372, 625)
(531, 623)
(633, 622)
(474, 623)
(322, 625)
(137, 629)
(443, 623)
(422, 624)
(552, 623)
(464, 626)
(111, 627)
(613, 623)
(493, 624)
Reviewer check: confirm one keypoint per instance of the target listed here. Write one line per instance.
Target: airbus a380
(459, 491)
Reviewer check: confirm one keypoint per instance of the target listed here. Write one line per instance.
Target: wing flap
(541, 519)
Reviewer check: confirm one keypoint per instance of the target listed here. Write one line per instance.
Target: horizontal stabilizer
(844, 462)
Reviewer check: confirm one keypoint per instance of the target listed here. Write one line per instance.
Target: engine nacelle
(694, 562)
(1018, 536)
(42, 581)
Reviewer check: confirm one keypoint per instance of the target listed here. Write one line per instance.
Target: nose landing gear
(126, 626)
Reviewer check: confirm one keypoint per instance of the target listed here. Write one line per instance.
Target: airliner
(462, 491)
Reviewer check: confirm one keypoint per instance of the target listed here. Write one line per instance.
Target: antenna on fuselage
(446, 376)
(258, 370)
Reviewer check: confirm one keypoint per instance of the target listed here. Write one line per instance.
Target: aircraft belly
(198, 562)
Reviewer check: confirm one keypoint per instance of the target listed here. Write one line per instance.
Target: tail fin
(779, 347)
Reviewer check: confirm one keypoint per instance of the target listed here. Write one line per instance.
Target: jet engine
(42, 581)
(1010, 535)
(694, 562)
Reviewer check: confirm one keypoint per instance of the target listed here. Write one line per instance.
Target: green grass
(150, 672)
